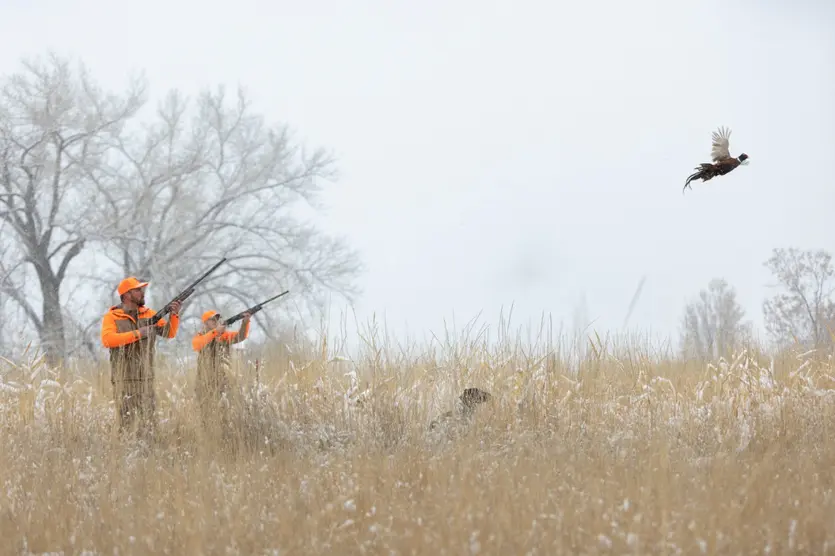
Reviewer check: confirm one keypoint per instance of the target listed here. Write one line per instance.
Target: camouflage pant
(136, 405)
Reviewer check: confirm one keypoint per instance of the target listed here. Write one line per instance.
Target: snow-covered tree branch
(88, 176)
(53, 126)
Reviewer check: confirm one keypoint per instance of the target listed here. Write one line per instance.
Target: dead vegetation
(617, 452)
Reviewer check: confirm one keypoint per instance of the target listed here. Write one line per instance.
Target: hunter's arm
(242, 334)
(168, 329)
(112, 338)
(199, 341)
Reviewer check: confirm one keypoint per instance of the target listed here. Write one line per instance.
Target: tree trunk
(52, 334)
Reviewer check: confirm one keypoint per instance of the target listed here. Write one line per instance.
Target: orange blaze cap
(130, 283)
(208, 314)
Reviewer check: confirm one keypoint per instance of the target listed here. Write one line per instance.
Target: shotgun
(185, 294)
(254, 309)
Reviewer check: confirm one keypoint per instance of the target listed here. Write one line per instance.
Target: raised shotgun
(185, 294)
(254, 309)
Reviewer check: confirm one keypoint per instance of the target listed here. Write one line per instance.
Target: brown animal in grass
(468, 401)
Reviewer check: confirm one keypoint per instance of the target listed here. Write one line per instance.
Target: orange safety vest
(132, 357)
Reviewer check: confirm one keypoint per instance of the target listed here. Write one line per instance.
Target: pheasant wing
(719, 150)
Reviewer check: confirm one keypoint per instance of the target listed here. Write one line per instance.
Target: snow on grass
(615, 453)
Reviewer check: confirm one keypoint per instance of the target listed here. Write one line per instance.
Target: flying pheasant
(723, 162)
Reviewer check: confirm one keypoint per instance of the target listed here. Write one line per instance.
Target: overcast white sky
(517, 151)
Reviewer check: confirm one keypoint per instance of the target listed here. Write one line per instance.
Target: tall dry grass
(621, 451)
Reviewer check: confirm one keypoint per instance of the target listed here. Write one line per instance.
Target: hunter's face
(212, 322)
(138, 296)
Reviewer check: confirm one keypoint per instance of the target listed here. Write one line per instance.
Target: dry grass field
(619, 452)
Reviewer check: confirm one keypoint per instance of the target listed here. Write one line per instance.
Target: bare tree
(161, 198)
(54, 124)
(197, 185)
(804, 311)
(712, 326)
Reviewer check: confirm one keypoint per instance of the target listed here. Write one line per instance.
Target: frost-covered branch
(54, 125)
(804, 311)
(207, 179)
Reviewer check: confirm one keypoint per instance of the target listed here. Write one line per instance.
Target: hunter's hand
(247, 316)
(221, 328)
(175, 307)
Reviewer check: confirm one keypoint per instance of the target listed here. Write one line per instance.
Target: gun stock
(254, 309)
(185, 294)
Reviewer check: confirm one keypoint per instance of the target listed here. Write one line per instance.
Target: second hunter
(213, 360)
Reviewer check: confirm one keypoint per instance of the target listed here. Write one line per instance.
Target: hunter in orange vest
(128, 334)
(213, 344)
